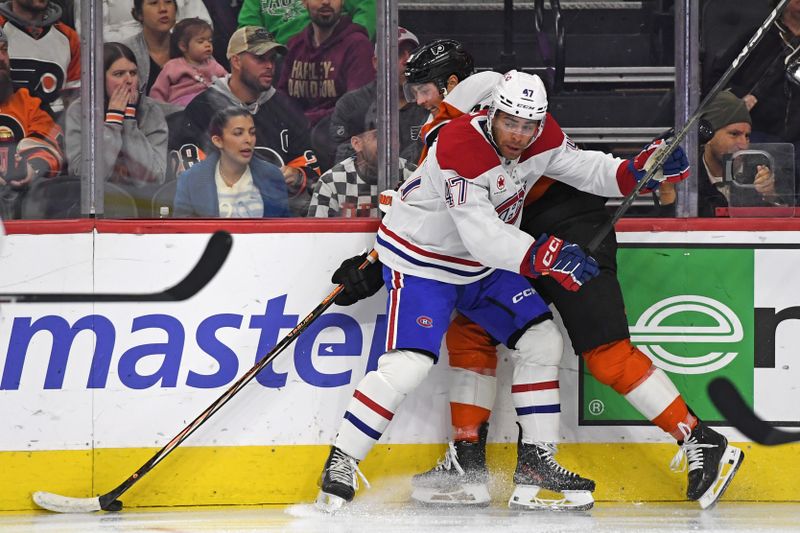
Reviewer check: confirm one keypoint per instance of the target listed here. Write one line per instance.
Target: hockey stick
(733, 407)
(661, 156)
(108, 501)
(217, 249)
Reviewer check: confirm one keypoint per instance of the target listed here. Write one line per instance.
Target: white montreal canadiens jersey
(456, 218)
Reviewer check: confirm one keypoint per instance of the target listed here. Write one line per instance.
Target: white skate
(530, 497)
(537, 471)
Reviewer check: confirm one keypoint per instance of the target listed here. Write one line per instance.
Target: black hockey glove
(358, 284)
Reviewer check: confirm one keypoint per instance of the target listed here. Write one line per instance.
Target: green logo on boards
(691, 312)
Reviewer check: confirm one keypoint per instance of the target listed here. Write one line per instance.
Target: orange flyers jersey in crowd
(28, 131)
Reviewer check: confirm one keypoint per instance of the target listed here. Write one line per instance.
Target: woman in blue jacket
(231, 183)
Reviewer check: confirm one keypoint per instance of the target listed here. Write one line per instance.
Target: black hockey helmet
(438, 60)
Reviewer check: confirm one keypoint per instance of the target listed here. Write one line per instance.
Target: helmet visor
(425, 92)
(516, 125)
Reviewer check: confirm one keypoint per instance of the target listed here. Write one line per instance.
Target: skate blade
(468, 494)
(329, 503)
(728, 465)
(530, 498)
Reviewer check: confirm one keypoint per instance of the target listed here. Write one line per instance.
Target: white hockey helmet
(521, 95)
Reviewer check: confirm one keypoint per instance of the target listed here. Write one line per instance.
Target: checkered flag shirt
(341, 192)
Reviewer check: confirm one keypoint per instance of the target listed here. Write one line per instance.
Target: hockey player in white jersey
(451, 241)
(594, 319)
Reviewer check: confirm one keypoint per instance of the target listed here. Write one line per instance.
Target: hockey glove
(358, 283)
(675, 168)
(563, 261)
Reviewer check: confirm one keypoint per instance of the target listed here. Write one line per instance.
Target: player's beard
(6, 85)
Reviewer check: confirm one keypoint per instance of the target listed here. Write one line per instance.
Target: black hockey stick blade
(733, 407)
(206, 268)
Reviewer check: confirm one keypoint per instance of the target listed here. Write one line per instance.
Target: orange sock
(467, 420)
(631, 373)
(673, 415)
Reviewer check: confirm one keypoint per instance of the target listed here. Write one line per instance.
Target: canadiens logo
(425, 321)
(501, 182)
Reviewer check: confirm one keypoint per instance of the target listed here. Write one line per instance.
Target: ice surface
(375, 517)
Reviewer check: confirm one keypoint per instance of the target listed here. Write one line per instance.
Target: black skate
(538, 470)
(711, 463)
(459, 478)
(339, 481)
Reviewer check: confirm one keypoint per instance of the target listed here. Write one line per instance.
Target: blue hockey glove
(565, 262)
(675, 168)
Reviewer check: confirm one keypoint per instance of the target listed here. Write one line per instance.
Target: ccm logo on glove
(563, 261)
(549, 254)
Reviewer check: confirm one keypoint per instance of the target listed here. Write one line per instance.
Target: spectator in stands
(151, 44)
(282, 129)
(29, 139)
(761, 81)
(287, 18)
(231, 183)
(330, 57)
(118, 24)
(68, 9)
(350, 188)
(45, 53)
(731, 123)
(224, 15)
(134, 132)
(351, 109)
(192, 68)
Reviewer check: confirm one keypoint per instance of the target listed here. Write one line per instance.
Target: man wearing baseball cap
(253, 39)
(351, 109)
(282, 131)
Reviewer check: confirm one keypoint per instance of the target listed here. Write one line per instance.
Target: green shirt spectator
(285, 19)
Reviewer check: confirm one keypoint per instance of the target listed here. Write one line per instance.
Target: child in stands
(192, 67)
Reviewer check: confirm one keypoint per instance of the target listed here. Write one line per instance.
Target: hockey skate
(711, 462)
(339, 481)
(459, 478)
(537, 470)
